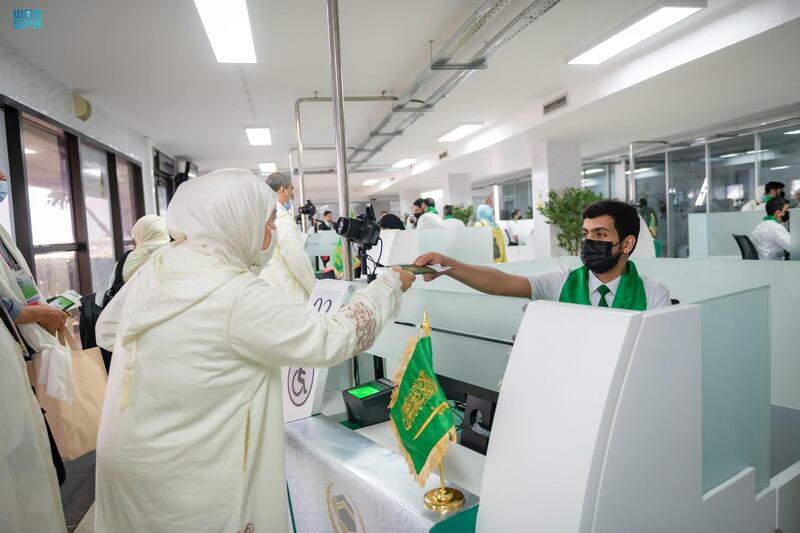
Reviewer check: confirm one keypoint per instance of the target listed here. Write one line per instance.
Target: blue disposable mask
(3, 190)
(288, 205)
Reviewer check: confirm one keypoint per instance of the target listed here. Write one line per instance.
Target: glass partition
(732, 173)
(736, 386)
(651, 191)
(780, 159)
(5, 206)
(687, 174)
(598, 178)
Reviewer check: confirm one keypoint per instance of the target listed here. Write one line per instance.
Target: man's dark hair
(775, 205)
(419, 202)
(515, 212)
(773, 186)
(326, 213)
(642, 202)
(430, 202)
(448, 210)
(626, 219)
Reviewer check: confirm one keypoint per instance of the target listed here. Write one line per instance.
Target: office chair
(746, 247)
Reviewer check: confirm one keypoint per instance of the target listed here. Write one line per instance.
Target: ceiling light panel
(460, 132)
(403, 163)
(259, 136)
(268, 167)
(227, 26)
(649, 22)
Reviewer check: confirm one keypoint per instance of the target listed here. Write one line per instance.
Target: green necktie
(603, 290)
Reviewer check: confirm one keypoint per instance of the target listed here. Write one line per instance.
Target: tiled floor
(77, 492)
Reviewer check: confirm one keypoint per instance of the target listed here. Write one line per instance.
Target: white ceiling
(149, 63)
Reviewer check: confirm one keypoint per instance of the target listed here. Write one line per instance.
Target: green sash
(770, 218)
(630, 291)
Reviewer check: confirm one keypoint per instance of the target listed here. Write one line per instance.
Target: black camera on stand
(308, 209)
(365, 232)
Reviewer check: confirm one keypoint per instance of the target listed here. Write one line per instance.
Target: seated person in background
(449, 220)
(607, 279)
(770, 237)
(390, 221)
(773, 189)
(326, 224)
(486, 220)
(430, 219)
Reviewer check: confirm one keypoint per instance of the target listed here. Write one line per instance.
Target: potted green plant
(564, 210)
(465, 214)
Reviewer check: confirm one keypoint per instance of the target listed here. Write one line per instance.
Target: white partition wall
(711, 234)
(599, 428)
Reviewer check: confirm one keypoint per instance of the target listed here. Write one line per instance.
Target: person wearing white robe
(191, 436)
(290, 268)
(29, 495)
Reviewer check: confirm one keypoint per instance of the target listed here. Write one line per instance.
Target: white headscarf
(217, 221)
(149, 233)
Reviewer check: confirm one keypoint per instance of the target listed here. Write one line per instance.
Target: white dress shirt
(547, 286)
(771, 240)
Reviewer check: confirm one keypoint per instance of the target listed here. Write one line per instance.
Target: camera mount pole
(338, 127)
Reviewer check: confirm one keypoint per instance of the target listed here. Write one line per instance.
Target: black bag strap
(117, 284)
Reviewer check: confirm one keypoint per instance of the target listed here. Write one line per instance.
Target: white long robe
(199, 446)
(290, 268)
(29, 497)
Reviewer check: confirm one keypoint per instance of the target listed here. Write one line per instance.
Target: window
(50, 202)
(161, 196)
(515, 194)
(127, 199)
(651, 186)
(49, 192)
(94, 174)
(732, 173)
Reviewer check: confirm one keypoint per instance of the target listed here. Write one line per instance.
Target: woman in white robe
(191, 437)
(29, 496)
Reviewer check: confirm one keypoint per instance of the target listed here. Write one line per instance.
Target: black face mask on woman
(596, 255)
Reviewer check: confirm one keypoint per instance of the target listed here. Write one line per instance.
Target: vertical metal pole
(301, 180)
(668, 205)
(338, 127)
(708, 178)
(757, 159)
(631, 176)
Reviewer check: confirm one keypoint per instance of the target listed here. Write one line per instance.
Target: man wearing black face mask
(607, 279)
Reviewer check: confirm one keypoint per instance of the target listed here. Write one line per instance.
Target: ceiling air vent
(558, 103)
(443, 155)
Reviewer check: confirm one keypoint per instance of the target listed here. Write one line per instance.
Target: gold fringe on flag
(437, 452)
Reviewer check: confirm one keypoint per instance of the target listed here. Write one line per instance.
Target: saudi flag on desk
(419, 412)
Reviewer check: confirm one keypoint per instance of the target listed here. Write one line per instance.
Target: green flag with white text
(419, 412)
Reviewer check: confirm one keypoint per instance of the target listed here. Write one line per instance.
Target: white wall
(26, 83)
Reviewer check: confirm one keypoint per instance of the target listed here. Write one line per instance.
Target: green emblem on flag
(419, 412)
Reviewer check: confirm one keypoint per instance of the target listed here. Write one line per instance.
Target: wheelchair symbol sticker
(300, 384)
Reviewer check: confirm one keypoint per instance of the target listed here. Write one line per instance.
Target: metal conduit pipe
(299, 135)
(408, 114)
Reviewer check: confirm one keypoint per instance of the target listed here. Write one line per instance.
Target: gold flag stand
(443, 499)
